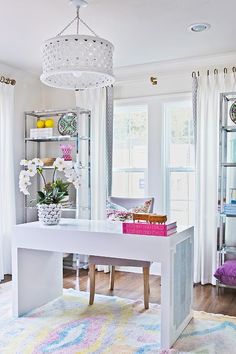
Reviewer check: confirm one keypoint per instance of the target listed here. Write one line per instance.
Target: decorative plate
(232, 112)
(67, 124)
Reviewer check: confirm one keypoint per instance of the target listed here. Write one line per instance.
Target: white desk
(37, 264)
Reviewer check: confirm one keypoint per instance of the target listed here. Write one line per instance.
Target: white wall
(173, 76)
(27, 97)
(57, 99)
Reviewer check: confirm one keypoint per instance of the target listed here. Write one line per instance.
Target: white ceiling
(143, 31)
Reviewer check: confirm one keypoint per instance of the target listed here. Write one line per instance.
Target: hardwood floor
(130, 285)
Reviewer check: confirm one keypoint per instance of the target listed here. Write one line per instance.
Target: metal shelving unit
(34, 147)
(227, 169)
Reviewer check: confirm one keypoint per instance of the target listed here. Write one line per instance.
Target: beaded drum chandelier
(77, 62)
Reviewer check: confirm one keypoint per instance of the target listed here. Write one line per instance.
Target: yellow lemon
(40, 123)
(49, 123)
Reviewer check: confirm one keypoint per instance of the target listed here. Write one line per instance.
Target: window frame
(166, 151)
(127, 106)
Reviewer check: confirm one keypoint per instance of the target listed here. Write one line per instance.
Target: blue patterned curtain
(109, 137)
(194, 99)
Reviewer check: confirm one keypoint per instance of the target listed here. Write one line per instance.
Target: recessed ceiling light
(199, 27)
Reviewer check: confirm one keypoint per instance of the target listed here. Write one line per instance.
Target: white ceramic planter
(49, 214)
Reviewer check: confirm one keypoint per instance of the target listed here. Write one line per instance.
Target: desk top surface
(94, 226)
(103, 238)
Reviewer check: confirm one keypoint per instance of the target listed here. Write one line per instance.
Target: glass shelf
(53, 138)
(228, 249)
(229, 128)
(228, 215)
(73, 208)
(52, 168)
(228, 164)
(58, 138)
(50, 113)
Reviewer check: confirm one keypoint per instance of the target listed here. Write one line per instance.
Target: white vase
(49, 214)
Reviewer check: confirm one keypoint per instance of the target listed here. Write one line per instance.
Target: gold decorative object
(154, 218)
(48, 161)
(6, 80)
(150, 218)
(139, 217)
(153, 80)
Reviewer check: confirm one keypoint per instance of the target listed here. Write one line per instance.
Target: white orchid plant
(54, 191)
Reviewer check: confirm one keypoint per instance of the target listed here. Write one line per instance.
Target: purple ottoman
(226, 273)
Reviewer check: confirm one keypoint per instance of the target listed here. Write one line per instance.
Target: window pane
(182, 197)
(128, 184)
(180, 161)
(181, 138)
(129, 150)
(130, 137)
(182, 185)
(183, 212)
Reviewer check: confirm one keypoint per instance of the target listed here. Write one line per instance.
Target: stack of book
(37, 133)
(230, 209)
(143, 228)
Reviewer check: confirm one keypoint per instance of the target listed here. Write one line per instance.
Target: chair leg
(91, 283)
(146, 287)
(112, 277)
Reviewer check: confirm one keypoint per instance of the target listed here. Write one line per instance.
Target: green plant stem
(41, 174)
(54, 173)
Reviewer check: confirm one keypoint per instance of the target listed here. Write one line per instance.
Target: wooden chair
(127, 203)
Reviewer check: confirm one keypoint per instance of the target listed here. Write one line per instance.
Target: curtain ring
(215, 71)
(194, 74)
(225, 70)
(208, 72)
(198, 73)
(234, 69)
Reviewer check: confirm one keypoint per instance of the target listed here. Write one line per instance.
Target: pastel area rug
(68, 325)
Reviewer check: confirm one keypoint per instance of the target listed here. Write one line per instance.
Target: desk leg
(37, 278)
(176, 292)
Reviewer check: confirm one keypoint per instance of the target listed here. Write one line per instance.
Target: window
(130, 150)
(180, 173)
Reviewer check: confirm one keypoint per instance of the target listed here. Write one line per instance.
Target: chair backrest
(129, 203)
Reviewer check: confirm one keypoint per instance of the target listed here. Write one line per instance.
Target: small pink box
(141, 228)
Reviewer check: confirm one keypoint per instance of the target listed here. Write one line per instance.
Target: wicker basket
(48, 161)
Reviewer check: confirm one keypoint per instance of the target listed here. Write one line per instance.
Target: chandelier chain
(77, 30)
(69, 24)
(87, 26)
(79, 19)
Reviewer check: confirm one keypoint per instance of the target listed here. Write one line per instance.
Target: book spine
(147, 232)
(153, 227)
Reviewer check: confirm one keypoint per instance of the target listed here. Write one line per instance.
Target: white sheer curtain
(207, 91)
(95, 100)
(7, 185)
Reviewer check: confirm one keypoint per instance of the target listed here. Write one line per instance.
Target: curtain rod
(7, 81)
(215, 71)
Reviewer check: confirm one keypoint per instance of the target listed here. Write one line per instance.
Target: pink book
(141, 228)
